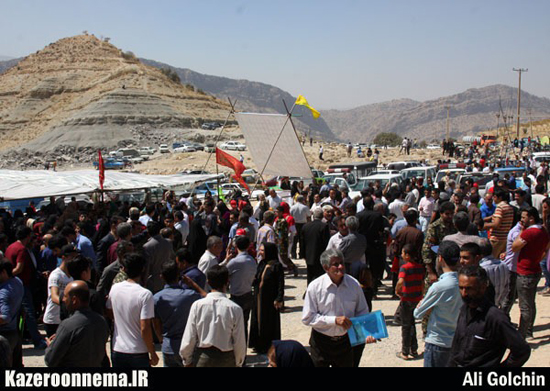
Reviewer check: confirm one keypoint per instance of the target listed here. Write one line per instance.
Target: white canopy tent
(17, 185)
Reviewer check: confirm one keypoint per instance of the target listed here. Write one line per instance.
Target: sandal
(402, 356)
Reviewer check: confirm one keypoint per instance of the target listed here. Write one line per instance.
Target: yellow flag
(303, 102)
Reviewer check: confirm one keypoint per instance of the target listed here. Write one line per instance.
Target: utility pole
(520, 71)
(448, 109)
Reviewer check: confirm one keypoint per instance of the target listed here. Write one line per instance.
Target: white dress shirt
(214, 321)
(207, 261)
(334, 241)
(325, 301)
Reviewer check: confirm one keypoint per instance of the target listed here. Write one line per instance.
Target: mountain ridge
(472, 111)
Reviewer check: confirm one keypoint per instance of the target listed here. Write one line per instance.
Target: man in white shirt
(317, 203)
(215, 327)
(133, 309)
(214, 247)
(301, 214)
(148, 216)
(274, 200)
(335, 240)
(396, 207)
(426, 208)
(330, 302)
(536, 199)
(57, 282)
(181, 225)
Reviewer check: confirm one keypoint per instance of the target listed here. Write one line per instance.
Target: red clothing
(530, 256)
(412, 274)
(111, 253)
(17, 253)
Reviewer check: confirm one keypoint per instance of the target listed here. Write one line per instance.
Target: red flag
(226, 160)
(101, 167)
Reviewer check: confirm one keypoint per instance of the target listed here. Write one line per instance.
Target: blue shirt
(487, 211)
(11, 296)
(444, 299)
(511, 258)
(196, 275)
(48, 260)
(87, 249)
(242, 272)
(398, 225)
(172, 306)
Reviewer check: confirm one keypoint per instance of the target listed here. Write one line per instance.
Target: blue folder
(372, 324)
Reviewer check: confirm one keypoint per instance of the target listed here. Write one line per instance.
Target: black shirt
(79, 342)
(482, 337)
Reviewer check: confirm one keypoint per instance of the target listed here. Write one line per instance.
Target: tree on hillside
(389, 139)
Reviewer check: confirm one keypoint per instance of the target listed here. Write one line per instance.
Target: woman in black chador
(269, 288)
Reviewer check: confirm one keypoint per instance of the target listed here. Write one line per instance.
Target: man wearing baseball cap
(444, 301)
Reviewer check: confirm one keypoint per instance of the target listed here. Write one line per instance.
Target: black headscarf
(271, 252)
(291, 354)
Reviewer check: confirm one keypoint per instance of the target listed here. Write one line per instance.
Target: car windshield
(452, 175)
(364, 183)
(480, 180)
(414, 173)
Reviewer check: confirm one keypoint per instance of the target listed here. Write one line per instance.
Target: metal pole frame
(231, 112)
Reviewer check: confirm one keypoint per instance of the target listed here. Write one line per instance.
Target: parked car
(211, 125)
(482, 180)
(184, 148)
(111, 164)
(196, 146)
(417, 172)
(250, 175)
(433, 146)
(399, 166)
(163, 148)
(233, 146)
(452, 173)
(363, 182)
(210, 148)
(146, 151)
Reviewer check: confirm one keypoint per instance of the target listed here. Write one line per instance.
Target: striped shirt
(413, 276)
(506, 214)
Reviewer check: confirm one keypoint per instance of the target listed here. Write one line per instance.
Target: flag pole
(301, 146)
(231, 112)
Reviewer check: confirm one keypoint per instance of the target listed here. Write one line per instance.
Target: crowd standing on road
(205, 278)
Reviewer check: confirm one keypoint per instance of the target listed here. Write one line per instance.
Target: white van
(417, 172)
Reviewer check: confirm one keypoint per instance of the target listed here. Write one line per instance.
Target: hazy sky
(338, 54)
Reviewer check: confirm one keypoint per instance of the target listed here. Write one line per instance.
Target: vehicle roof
(510, 169)
(452, 169)
(381, 176)
(419, 168)
(349, 165)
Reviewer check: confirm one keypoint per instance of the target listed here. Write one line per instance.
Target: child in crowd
(409, 289)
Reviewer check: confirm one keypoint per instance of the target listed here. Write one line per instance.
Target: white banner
(261, 132)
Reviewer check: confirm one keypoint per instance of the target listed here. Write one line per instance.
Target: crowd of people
(205, 278)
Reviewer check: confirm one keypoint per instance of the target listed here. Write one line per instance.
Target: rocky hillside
(83, 92)
(253, 97)
(471, 112)
(82, 83)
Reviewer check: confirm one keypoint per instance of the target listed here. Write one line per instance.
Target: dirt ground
(381, 354)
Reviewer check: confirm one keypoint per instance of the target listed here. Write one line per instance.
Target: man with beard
(532, 245)
(484, 332)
